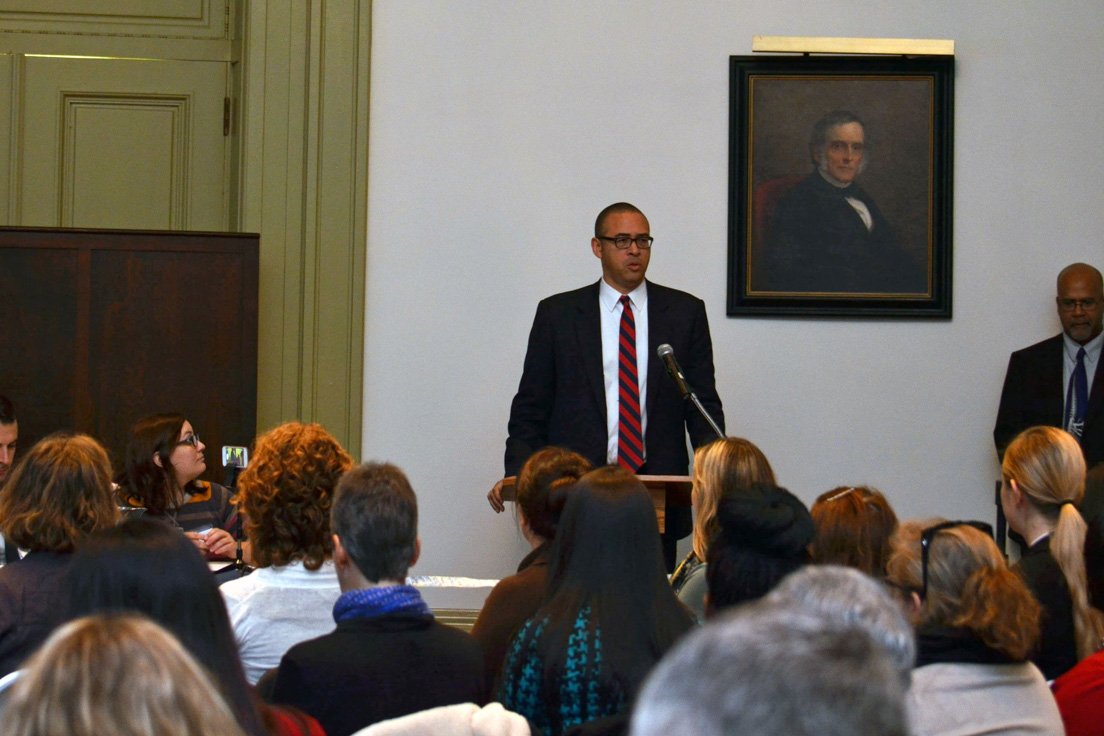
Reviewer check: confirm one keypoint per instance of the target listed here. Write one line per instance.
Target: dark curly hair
(286, 494)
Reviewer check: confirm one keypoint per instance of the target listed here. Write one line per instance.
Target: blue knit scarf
(372, 602)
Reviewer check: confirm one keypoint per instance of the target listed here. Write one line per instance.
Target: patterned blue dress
(578, 693)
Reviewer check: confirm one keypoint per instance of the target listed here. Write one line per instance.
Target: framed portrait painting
(840, 186)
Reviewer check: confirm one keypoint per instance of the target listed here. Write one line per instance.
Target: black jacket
(561, 398)
(372, 669)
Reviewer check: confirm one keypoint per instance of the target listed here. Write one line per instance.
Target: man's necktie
(1078, 397)
(630, 440)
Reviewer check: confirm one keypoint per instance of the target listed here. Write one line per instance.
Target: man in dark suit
(388, 656)
(1059, 382)
(571, 392)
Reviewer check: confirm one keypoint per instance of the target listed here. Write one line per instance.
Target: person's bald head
(1080, 301)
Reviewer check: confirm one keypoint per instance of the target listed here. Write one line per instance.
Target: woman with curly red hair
(285, 495)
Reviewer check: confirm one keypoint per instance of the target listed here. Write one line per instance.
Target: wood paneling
(108, 326)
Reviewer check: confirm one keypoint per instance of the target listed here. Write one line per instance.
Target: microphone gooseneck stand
(238, 565)
(667, 355)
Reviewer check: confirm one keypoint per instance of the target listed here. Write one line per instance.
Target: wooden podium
(664, 489)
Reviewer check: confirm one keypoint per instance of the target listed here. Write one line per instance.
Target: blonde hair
(733, 462)
(115, 675)
(1049, 468)
(970, 586)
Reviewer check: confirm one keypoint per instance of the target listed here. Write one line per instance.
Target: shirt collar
(1038, 539)
(1092, 347)
(609, 296)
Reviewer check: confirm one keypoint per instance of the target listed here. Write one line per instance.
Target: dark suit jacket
(372, 669)
(1033, 396)
(818, 242)
(561, 399)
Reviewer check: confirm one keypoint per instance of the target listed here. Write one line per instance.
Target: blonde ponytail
(1067, 545)
(1049, 468)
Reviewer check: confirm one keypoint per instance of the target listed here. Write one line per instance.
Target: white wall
(499, 129)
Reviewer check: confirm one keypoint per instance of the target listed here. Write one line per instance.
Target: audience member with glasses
(164, 459)
(976, 625)
(1042, 481)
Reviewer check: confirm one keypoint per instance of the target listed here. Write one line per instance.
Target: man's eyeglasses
(926, 539)
(622, 242)
(192, 439)
(1071, 305)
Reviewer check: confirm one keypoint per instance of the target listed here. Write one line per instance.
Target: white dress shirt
(610, 308)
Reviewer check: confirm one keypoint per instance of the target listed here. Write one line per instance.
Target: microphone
(667, 354)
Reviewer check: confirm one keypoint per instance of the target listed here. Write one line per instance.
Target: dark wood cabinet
(101, 327)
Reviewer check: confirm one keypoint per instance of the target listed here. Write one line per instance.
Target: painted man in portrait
(826, 234)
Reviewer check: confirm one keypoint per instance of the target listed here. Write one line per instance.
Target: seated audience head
(765, 670)
(1042, 481)
(963, 582)
(850, 598)
(375, 524)
(115, 675)
(853, 528)
(59, 492)
(9, 435)
(729, 463)
(164, 456)
(607, 556)
(764, 535)
(148, 567)
(542, 490)
(286, 494)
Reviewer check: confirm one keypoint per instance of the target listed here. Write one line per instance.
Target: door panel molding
(179, 110)
(166, 18)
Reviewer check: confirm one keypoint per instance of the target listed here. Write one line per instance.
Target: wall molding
(304, 157)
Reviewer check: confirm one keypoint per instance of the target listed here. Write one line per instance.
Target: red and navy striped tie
(630, 440)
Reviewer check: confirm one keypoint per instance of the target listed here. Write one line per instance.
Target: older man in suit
(1059, 382)
(592, 381)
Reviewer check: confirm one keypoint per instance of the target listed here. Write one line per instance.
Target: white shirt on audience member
(277, 607)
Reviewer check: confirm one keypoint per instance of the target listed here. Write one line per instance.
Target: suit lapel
(588, 331)
(1050, 387)
(658, 329)
(1095, 410)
